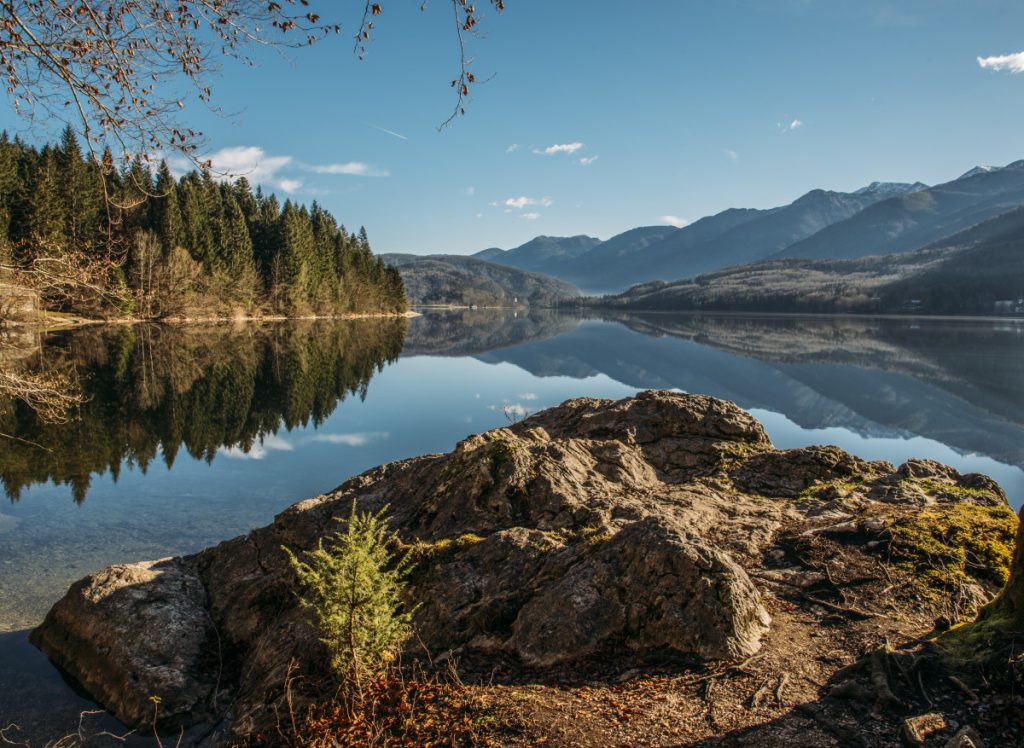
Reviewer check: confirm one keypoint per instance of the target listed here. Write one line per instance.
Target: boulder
(134, 633)
(593, 529)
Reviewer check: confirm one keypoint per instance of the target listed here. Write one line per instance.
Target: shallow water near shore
(193, 435)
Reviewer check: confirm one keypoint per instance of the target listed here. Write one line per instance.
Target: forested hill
(179, 247)
(468, 281)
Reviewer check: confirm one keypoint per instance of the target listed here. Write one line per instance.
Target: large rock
(596, 528)
(129, 633)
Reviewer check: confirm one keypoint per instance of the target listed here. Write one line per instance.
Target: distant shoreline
(51, 321)
(813, 315)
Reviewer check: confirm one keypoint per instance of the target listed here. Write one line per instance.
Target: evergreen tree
(196, 231)
(164, 213)
(46, 211)
(79, 192)
(197, 242)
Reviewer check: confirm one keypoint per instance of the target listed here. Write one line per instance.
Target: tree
(115, 68)
(165, 215)
(352, 585)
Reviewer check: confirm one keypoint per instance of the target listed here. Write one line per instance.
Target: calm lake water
(192, 435)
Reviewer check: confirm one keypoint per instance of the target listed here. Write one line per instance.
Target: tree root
(880, 680)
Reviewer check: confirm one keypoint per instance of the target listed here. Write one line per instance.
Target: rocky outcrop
(592, 529)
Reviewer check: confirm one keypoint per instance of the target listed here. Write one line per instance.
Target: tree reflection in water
(151, 390)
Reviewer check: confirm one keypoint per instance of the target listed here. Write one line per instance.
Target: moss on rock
(948, 545)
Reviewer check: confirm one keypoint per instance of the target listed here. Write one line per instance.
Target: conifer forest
(150, 245)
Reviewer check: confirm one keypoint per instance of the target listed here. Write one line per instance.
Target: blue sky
(681, 109)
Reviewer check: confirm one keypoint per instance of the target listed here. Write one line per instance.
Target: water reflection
(957, 382)
(151, 390)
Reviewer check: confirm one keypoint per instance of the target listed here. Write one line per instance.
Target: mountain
(978, 170)
(880, 218)
(490, 254)
(891, 189)
(754, 239)
(732, 237)
(467, 281)
(589, 274)
(963, 274)
(542, 254)
(915, 219)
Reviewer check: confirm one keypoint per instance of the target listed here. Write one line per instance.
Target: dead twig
(846, 610)
(967, 690)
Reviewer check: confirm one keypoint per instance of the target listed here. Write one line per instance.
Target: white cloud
(357, 439)
(259, 450)
(529, 396)
(731, 154)
(675, 221)
(588, 160)
(352, 168)
(1013, 63)
(521, 202)
(512, 148)
(248, 161)
(530, 216)
(253, 163)
(559, 148)
(471, 190)
(790, 127)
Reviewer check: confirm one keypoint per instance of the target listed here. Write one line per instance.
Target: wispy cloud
(558, 148)
(588, 160)
(731, 154)
(528, 396)
(1012, 63)
(278, 172)
(793, 125)
(531, 216)
(352, 168)
(471, 190)
(675, 221)
(512, 148)
(357, 439)
(386, 130)
(522, 202)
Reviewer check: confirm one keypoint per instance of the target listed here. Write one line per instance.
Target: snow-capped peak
(978, 170)
(891, 189)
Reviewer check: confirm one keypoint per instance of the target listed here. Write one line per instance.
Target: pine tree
(46, 210)
(80, 192)
(296, 252)
(196, 232)
(353, 587)
(164, 213)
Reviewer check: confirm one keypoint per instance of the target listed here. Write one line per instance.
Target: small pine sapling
(352, 584)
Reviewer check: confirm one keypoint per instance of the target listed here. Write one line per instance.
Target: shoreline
(55, 321)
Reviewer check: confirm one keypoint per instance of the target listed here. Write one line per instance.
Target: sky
(596, 117)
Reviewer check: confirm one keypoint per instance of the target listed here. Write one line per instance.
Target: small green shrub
(352, 585)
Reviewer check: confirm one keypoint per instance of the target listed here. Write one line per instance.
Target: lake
(190, 435)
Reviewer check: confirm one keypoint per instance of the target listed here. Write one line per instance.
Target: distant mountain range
(977, 271)
(468, 281)
(883, 218)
